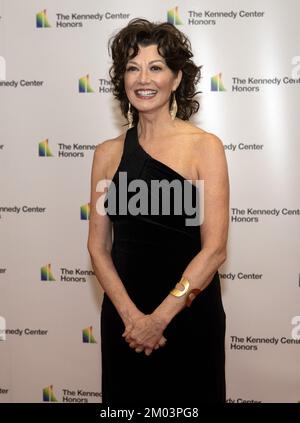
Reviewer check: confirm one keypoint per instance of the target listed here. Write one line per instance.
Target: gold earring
(130, 116)
(174, 108)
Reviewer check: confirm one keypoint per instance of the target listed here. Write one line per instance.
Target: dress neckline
(170, 169)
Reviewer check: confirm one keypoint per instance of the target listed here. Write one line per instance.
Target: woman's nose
(144, 76)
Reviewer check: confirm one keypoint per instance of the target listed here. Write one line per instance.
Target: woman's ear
(177, 81)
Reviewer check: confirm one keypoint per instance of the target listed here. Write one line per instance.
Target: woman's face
(149, 81)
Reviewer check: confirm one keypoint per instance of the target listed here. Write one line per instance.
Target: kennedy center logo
(84, 85)
(44, 150)
(216, 83)
(173, 16)
(46, 273)
(85, 211)
(48, 394)
(87, 336)
(42, 20)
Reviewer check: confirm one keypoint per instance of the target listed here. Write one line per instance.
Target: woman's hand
(145, 333)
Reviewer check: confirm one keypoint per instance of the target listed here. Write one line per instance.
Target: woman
(162, 318)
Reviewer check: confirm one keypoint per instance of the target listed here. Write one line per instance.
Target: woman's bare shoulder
(197, 138)
(108, 154)
(202, 140)
(111, 146)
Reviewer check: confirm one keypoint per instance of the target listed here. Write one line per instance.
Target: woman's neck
(153, 127)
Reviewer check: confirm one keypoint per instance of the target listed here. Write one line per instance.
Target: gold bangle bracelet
(192, 294)
(178, 292)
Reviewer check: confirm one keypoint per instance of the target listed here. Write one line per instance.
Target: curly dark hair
(172, 45)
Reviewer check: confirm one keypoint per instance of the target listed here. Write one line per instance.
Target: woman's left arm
(212, 168)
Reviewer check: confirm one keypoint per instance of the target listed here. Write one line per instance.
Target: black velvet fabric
(150, 253)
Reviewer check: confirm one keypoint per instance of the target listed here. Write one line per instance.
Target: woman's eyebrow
(152, 61)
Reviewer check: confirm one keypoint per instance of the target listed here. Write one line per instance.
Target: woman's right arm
(100, 240)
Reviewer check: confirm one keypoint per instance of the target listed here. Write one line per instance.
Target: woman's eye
(131, 68)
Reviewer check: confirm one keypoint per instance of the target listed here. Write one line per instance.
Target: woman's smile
(145, 94)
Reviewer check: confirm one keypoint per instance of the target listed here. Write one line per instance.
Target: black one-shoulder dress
(150, 253)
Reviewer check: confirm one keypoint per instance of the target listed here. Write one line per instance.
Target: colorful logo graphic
(46, 273)
(42, 20)
(87, 336)
(48, 394)
(84, 85)
(85, 211)
(216, 83)
(44, 150)
(173, 16)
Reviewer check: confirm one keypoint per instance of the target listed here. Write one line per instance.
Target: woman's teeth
(145, 93)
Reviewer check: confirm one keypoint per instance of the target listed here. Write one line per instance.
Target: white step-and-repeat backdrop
(56, 106)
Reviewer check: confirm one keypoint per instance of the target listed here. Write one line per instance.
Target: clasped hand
(145, 334)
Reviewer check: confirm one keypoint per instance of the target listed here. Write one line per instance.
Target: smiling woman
(172, 56)
(149, 81)
(162, 318)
